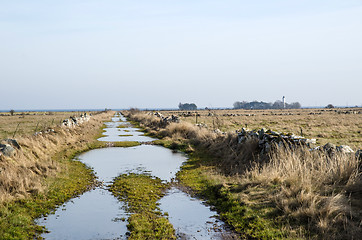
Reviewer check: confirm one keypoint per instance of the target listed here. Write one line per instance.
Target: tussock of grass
(313, 189)
(141, 194)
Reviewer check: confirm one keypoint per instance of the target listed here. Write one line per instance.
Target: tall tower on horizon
(283, 102)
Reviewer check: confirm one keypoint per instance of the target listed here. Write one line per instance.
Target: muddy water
(98, 215)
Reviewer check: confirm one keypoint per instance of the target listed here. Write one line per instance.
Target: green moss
(141, 193)
(125, 135)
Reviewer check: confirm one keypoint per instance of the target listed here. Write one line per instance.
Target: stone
(12, 142)
(262, 133)
(7, 150)
(345, 149)
(329, 148)
(359, 154)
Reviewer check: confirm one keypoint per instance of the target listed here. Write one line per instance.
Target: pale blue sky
(155, 54)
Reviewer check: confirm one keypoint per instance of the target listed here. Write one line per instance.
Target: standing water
(97, 214)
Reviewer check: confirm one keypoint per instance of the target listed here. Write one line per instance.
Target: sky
(77, 54)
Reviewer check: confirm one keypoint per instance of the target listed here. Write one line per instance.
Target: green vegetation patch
(174, 145)
(125, 135)
(101, 132)
(141, 193)
(126, 144)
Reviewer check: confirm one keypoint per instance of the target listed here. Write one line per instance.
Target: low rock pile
(166, 120)
(8, 146)
(267, 138)
(75, 121)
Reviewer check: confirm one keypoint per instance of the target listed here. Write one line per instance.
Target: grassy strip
(126, 144)
(141, 192)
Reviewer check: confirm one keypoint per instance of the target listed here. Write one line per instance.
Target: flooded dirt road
(97, 214)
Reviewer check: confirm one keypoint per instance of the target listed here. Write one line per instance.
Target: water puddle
(97, 214)
(115, 133)
(157, 161)
(191, 218)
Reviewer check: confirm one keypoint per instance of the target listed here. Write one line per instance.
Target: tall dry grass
(320, 194)
(23, 174)
(314, 189)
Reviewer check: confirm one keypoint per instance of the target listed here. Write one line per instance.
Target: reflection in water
(113, 132)
(94, 215)
(190, 217)
(158, 161)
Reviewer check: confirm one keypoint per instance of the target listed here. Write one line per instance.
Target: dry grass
(323, 124)
(319, 194)
(313, 189)
(23, 174)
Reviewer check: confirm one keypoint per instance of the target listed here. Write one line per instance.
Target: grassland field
(342, 126)
(26, 123)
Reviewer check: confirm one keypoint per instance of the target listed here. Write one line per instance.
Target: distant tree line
(264, 105)
(187, 106)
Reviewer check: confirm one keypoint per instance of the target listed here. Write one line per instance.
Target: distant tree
(278, 104)
(12, 112)
(295, 105)
(264, 105)
(329, 106)
(187, 106)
